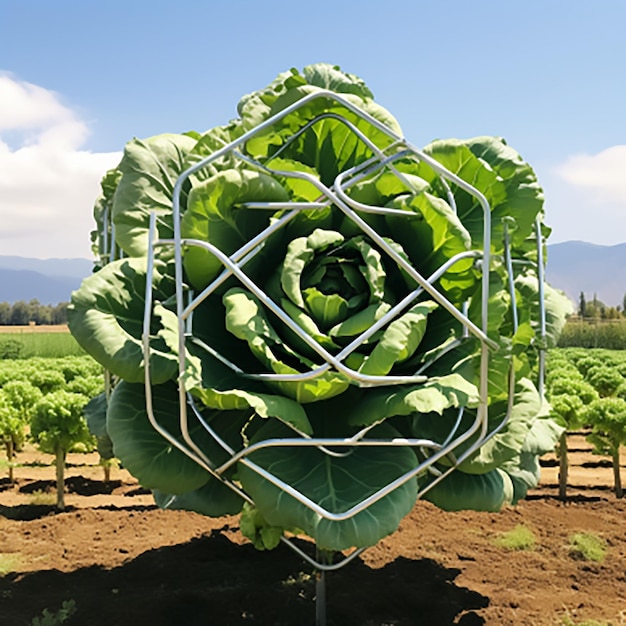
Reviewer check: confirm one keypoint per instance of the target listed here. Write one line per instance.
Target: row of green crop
(587, 388)
(579, 384)
(610, 335)
(25, 345)
(44, 400)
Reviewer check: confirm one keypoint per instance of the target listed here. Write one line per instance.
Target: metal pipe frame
(234, 264)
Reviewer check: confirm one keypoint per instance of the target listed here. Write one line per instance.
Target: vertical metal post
(323, 557)
(320, 598)
(542, 306)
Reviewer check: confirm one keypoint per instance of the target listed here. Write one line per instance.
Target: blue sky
(79, 79)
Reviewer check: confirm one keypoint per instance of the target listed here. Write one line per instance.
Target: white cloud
(27, 106)
(601, 175)
(48, 184)
(586, 197)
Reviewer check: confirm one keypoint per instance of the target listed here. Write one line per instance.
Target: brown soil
(122, 561)
(32, 328)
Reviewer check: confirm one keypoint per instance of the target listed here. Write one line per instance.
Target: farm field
(123, 561)
(43, 341)
(39, 329)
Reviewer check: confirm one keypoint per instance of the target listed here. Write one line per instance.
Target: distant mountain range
(48, 280)
(576, 266)
(573, 266)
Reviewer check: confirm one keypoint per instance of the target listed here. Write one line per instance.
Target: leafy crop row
(44, 400)
(610, 335)
(587, 388)
(575, 394)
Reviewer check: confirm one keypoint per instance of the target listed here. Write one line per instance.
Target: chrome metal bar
(331, 361)
(105, 233)
(327, 567)
(197, 455)
(317, 442)
(233, 266)
(288, 321)
(112, 244)
(542, 307)
(510, 276)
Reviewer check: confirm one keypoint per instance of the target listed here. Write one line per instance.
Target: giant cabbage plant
(320, 326)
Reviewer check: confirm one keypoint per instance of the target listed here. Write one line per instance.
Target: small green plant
(10, 349)
(17, 398)
(567, 620)
(587, 547)
(8, 562)
(68, 608)
(108, 465)
(57, 425)
(40, 497)
(520, 538)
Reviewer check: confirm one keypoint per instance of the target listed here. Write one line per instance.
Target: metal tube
(542, 307)
(233, 265)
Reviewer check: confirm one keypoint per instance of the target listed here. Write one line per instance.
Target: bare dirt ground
(32, 328)
(124, 562)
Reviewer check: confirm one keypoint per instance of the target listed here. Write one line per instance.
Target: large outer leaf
(207, 144)
(217, 387)
(507, 443)
(147, 455)
(524, 195)
(103, 203)
(503, 446)
(502, 176)
(96, 416)
(149, 169)
(300, 189)
(525, 470)
(336, 484)
(105, 316)
(331, 77)
(329, 145)
(465, 361)
(477, 492)
(262, 404)
(432, 234)
(498, 303)
(558, 307)
(213, 499)
(256, 107)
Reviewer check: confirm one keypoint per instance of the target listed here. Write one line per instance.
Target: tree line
(22, 313)
(596, 309)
